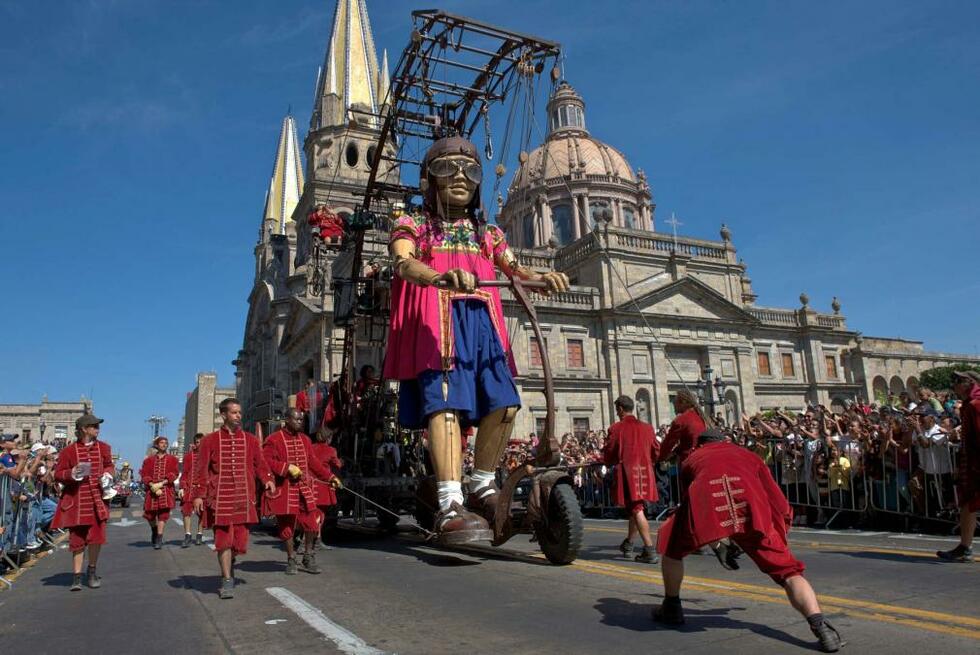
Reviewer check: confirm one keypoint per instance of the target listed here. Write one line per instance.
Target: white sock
(480, 480)
(449, 492)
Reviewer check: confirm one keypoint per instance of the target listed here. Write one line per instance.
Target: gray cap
(86, 420)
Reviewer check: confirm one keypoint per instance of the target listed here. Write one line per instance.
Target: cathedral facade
(649, 312)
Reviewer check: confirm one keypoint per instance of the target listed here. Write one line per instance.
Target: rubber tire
(562, 545)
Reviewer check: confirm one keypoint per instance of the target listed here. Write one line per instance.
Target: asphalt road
(885, 593)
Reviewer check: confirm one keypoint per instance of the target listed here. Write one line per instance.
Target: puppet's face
(456, 178)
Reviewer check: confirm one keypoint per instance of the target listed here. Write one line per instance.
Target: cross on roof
(673, 223)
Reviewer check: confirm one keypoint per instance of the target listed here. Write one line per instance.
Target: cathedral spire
(286, 184)
(350, 65)
(384, 78)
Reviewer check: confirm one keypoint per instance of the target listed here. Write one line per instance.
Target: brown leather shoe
(485, 505)
(459, 526)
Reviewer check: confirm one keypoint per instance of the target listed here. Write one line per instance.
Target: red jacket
(225, 474)
(187, 475)
(159, 469)
(968, 480)
(632, 448)
(729, 491)
(682, 436)
(292, 496)
(81, 501)
(326, 455)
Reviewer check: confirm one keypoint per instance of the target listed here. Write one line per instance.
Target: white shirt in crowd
(935, 458)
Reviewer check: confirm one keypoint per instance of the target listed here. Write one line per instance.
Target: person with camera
(81, 509)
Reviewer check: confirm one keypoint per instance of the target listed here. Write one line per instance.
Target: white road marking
(345, 640)
(275, 621)
(125, 523)
(176, 520)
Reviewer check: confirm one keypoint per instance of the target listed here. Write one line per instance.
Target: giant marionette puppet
(448, 342)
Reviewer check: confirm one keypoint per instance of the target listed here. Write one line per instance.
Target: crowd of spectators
(28, 498)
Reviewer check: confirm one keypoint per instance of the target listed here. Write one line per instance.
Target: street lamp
(710, 393)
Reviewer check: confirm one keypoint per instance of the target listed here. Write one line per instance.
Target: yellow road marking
(825, 545)
(775, 594)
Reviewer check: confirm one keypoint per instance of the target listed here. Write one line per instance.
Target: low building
(49, 421)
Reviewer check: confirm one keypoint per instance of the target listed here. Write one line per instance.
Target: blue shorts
(480, 381)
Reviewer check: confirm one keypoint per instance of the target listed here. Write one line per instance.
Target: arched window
(629, 218)
(351, 155)
(370, 155)
(561, 218)
(527, 234)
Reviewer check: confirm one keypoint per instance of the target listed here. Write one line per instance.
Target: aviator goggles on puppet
(448, 168)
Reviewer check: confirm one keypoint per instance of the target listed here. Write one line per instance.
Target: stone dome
(569, 149)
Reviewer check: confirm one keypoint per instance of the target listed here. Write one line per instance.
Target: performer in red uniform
(290, 456)
(967, 388)
(159, 473)
(331, 226)
(731, 494)
(187, 493)
(632, 448)
(228, 465)
(682, 437)
(81, 508)
(326, 489)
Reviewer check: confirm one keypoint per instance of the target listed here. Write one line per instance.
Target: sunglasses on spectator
(450, 167)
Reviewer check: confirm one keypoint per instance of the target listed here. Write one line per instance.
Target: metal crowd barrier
(829, 491)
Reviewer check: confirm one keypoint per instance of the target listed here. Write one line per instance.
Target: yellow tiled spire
(286, 185)
(350, 66)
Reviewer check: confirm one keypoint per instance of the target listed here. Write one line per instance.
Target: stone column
(746, 380)
(661, 410)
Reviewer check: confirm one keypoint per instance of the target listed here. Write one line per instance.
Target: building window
(629, 218)
(764, 368)
(641, 365)
(26, 435)
(576, 354)
(61, 432)
(831, 366)
(534, 351)
(370, 155)
(539, 427)
(527, 225)
(580, 427)
(788, 370)
(561, 218)
(351, 155)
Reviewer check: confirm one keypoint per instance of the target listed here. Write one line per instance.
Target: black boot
(827, 635)
(76, 582)
(647, 556)
(959, 554)
(670, 612)
(199, 539)
(187, 541)
(626, 548)
(291, 566)
(157, 542)
(94, 581)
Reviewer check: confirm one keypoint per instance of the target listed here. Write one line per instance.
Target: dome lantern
(566, 110)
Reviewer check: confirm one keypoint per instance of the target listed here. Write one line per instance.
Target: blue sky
(840, 141)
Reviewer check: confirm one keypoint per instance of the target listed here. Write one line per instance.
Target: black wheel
(125, 501)
(387, 521)
(561, 537)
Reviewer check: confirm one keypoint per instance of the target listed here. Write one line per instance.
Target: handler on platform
(291, 458)
(81, 509)
(731, 494)
(448, 342)
(158, 473)
(632, 448)
(229, 464)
